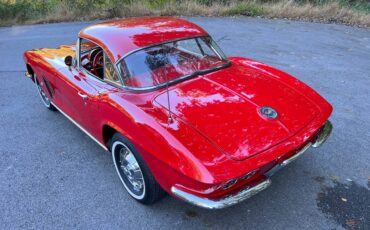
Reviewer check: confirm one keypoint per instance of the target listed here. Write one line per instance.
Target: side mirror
(68, 61)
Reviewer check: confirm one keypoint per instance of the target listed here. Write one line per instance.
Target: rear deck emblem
(268, 112)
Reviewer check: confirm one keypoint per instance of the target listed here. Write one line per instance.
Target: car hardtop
(121, 37)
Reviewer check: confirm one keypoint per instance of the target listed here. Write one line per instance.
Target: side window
(86, 46)
(189, 45)
(110, 73)
(205, 46)
(91, 58)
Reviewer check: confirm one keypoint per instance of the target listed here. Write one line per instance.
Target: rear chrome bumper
(251, 191)
(223, 202)
(241, 195)
(288, 161)
(323, 135)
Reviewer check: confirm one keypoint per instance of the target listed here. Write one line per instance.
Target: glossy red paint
(226, 112)
(217, 133)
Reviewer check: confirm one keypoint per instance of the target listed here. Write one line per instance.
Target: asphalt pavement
(53, 176)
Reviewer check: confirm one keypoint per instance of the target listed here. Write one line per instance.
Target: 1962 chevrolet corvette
(178, 115)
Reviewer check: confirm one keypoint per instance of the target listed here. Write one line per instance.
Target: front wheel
(133, 172)
(44, 98)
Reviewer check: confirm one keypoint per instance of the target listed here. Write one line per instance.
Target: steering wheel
(97, 62)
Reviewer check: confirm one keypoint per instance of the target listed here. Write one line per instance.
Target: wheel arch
(163, 158)
(30, 72)
(107, 133)
(29, 69)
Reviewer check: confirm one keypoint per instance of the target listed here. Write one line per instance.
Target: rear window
(155, 65)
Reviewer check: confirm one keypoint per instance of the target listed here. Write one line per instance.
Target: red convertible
(178, 115)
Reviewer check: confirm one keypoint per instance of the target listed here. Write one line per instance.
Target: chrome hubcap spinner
(131, 169)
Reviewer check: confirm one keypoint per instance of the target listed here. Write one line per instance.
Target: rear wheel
(44, 98)
(133, 172)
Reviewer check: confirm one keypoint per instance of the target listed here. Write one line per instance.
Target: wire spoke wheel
(133, 172)
(45, 99)
(128, 170)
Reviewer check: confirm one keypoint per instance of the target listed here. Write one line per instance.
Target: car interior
(94, 60)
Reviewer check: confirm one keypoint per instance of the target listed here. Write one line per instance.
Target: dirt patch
(347, 204)
(191, 213)
(320, 179)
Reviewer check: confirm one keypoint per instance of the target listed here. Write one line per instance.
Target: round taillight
(229, 184)
(248, 175)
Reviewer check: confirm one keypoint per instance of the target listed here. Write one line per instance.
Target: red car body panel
(217, 133)
(226, 111)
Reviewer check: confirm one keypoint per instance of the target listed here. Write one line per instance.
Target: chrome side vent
(48, 87)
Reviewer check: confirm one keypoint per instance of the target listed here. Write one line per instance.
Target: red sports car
(178, 115)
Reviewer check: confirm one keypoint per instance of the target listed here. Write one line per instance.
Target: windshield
(171, 61)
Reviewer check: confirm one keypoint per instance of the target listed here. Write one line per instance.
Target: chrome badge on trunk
(268, 112)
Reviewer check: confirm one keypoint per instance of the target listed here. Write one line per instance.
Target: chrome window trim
(115, 69)
(160, 43)
(143, 89)
(91, 75)
(214, 50)
(180, 79)
(78, 55)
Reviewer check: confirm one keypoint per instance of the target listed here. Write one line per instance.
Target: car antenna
(170, 119)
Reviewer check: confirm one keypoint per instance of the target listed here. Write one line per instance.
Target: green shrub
(247, 9)
(19, 11)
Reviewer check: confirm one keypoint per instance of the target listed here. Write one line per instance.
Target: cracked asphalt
(53, 176)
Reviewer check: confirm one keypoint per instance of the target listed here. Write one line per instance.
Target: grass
(352, 12)
(245, 8)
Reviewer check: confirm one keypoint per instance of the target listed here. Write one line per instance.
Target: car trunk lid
(224, 107)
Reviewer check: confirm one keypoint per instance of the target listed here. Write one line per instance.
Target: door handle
(84, 96)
